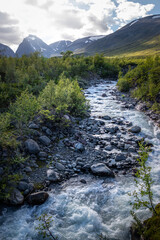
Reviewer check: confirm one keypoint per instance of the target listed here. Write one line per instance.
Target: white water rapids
(82, 211)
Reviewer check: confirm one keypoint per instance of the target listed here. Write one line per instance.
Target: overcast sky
(53, 20)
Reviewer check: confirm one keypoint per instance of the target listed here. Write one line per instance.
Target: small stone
(45, 140)
(135, 129)
(60, 167)
(120, 157)
(42, 155)
(79, 147)
(83, 181)
(106, 117)
(22, 186)
(33, 126)
(28, 169)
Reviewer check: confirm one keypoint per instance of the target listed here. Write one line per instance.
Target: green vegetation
(143, 82)
(143, 198)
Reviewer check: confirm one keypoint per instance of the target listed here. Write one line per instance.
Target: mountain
(6, 51)
(59, 46)
(79, 45)
(33, 44)
(140, 37)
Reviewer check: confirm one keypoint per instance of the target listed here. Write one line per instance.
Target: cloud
(80, 4)
(32, 2)
(68, 19)
(127, 11)
(9, 32)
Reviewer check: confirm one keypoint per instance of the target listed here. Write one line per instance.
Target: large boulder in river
(31, 146)
(135, 129)
(37, 198)
(101, 169)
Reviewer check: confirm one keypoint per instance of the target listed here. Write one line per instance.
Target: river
(82, 211)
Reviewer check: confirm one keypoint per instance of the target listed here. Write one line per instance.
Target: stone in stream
(31, 146)
(37, 198)
(60, 166)
(52, 175)
(120, 157)
(106, 117)
(101, 169)
(111, 129)
(135, 129)
(158, 134)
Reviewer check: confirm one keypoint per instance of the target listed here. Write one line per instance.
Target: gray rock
(42, 155)
(33, 126)
(52, 175)
(108, 148)
(102, 170)
(37, 198)
(22, 186)
(16, 197)
(45, 140)
(79, 147)
(106, 117)
(120, 157)
(31, 146)
(28, 169)
(60, 166)
(135, 129)
(48, 132)
(111, 129)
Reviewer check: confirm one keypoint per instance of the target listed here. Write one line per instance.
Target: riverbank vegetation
(143, 82)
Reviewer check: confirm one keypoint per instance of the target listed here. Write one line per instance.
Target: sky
(54, 20)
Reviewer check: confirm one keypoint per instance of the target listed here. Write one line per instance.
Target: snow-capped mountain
(6, 51)
(32, 44)
(60, 46)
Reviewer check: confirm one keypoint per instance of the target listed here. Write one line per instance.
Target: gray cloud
(67, 36)
(47, 5)
(98, 24)
(9, 32)
(69, 19)
(32, 2)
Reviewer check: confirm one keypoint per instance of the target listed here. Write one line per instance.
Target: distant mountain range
(140, 37)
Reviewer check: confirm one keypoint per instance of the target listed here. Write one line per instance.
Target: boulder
(16, 197)
(31, 146)
(135, 129)
(37, 198)
(52, 175)
(45, 140)
(101, 169)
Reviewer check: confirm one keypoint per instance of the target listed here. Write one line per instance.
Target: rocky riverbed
(101, 145)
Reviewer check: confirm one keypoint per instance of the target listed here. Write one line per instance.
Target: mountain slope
(80, 44)
(133, 37)
(33, 44)
(60, 46)
(6, 51)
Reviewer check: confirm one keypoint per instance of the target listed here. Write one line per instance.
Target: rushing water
(80, 211)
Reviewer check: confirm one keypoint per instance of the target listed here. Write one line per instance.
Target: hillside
(140, 37)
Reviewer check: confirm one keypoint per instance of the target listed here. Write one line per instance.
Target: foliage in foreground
(143, 195)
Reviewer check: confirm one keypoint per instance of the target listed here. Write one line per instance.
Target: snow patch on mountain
(133, 23)
(158, 16)
(94, 38)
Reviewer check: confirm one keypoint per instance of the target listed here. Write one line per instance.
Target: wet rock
(48, 132)
(52, 176)
(111, 129)
(31, 146)
(120, 157)
(108, 148)
(104, 95)
(106, 117)
(16, 198)
(45, 140)
(135, 129)
(37, 198)
(60, 166)
(158, 134)
(102, 170)
(83, 181)
(79, 147)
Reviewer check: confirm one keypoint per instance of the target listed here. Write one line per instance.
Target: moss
(152, 226)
